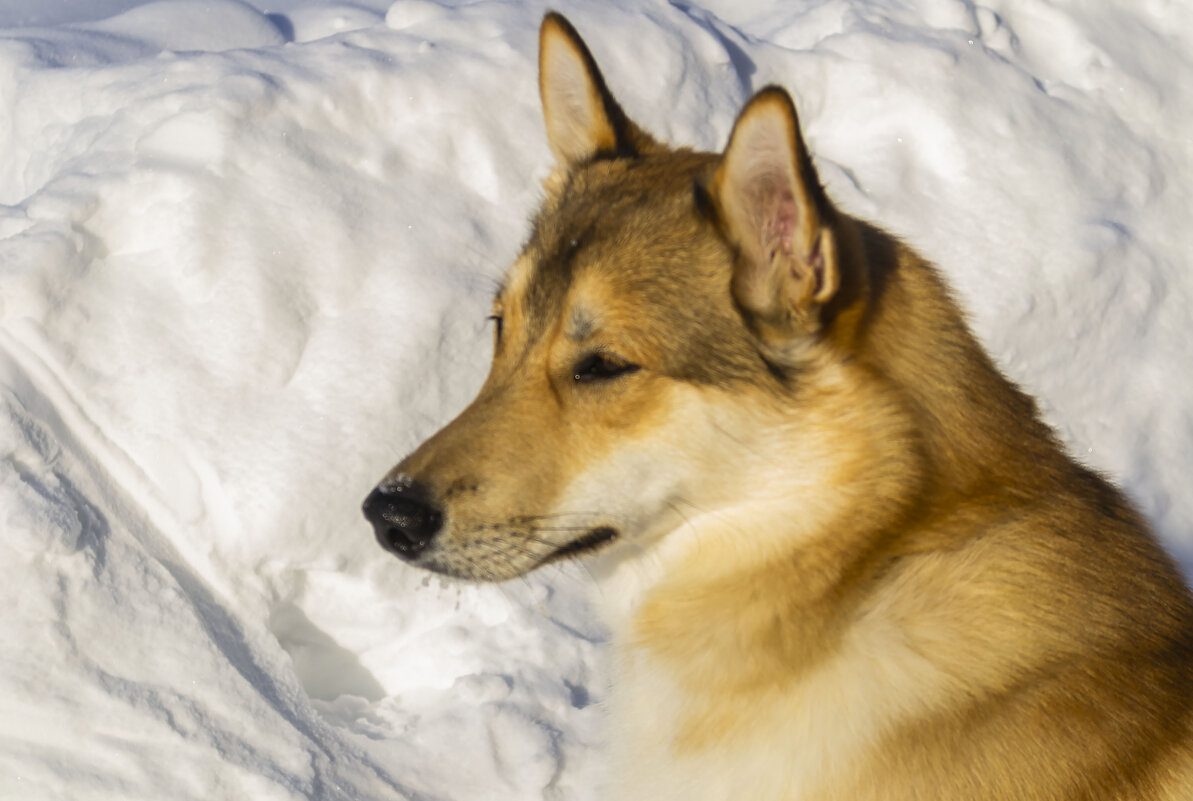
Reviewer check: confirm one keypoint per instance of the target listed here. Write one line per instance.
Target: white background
(246, 254)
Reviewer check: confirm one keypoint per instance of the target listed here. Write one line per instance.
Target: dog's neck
(798, 535)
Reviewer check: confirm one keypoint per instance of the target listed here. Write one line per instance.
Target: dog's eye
(601, 367)
(497, 320)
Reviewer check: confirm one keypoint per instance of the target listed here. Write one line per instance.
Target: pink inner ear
(778, 221)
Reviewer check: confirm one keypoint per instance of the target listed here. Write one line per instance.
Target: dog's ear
(583, 120)
(773, 209)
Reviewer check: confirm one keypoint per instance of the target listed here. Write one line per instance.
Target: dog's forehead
(628, 219)
(628, 240)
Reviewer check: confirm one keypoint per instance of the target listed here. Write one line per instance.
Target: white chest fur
(805, 738)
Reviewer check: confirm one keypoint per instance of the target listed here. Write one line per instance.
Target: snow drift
(245, 260)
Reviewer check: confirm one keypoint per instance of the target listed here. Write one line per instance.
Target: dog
(840, 555)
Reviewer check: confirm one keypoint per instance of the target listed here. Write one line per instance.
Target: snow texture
(246, 253)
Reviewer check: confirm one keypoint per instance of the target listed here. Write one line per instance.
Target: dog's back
(840, 554)
(1032, 583)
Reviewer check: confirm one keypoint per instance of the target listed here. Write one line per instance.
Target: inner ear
(583, 120)
(771, 205)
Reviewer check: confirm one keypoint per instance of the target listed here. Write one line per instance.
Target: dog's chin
(492, 570)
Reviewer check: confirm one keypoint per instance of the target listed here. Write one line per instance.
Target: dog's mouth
(590, 542)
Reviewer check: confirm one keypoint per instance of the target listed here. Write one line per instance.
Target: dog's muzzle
(404, 519)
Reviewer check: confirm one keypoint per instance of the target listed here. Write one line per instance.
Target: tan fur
(840, 555)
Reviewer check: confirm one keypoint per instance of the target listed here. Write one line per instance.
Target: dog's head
(662, 345)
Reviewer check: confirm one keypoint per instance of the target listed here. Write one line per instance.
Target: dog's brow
(580, 325)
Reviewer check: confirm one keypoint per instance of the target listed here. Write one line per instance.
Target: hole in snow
(325, 668)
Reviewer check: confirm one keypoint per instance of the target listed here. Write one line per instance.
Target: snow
(246, 253)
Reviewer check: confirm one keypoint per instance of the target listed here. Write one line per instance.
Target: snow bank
(245, 259)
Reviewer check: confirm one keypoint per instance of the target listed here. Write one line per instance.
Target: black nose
(404, 519)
